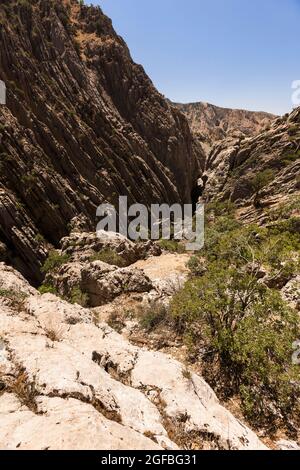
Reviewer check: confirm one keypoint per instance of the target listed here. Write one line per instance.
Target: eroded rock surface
(87, 387)
(83, 124)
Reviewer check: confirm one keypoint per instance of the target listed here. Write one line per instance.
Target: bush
(54, 261)
(78, 297)
(109, 256)
(47, 289)
(249, 330)
(172, 246)
(153, 315)
(15, 298)
(196, 266)
(260, 181)
(236, 325)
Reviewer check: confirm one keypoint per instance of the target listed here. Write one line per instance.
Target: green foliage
(221, 207)
(152, 316)
(47, 289)
(238, 326)
(196, 266)
(172, 246)
(291, 157)
(15, 298)
(109, 256)
(39, 238)
(78, 297)
(260, 181)
(250, 331)
(54, 261)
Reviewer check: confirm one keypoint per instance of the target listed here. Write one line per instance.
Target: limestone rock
(291, 292)
(82, 247)
(66, 424)
(11, 280)
(284, 444)
(211, 123)
(87, 387)
(101, 282)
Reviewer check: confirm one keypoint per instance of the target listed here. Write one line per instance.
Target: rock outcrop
(83, 124)
(88, 387)
(211, 124)
(233, 164)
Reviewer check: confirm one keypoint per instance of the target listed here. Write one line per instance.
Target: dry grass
(54, 333)
(186, 374)
(24, 389)
(15, 300)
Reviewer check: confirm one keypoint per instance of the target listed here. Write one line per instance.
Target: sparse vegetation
(47, 289)
(109, 256)
(24, 388)
(78, 297)
(54, 334)
(54, 261)
(196, 266)
(259, 182)
(173, 246)
(153, 315)
(239, 327)
(15, 298)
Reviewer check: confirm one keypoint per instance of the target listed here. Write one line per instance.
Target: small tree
(260, 181)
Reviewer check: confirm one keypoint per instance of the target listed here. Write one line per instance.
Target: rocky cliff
(211, 123)
(266, 165)
(83, 124)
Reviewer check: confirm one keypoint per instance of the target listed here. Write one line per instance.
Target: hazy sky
(234, 53)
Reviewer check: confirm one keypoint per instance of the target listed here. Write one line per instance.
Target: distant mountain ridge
(211, 123)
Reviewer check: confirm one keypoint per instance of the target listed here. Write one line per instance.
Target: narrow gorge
(112, 344)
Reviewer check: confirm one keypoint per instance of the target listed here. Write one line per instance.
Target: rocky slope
(211, 123)
(83, 124)
(89, 388)
(233, 165)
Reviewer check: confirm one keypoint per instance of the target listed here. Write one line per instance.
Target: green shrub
(39, 238)
(259, 182)
(153, 315)
(196, 266)
(78, 297)
(221, 207)
(249, 330)
(15, 298)
(109, 256)
(47, 289)
(54, 261)
(172, 246)
(239, 328)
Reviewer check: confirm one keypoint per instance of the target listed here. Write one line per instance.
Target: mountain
(211, 123)
(83, 124)
(243, 147)
(268, 164)
(107, 343)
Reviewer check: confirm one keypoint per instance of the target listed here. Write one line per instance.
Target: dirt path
(164, 266)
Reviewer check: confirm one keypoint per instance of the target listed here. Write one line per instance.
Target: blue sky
(233, 53)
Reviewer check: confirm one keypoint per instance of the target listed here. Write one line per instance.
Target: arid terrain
(108, 343)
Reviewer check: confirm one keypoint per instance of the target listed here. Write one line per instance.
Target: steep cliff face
(212, 123)
(268, 163)
(83, 124)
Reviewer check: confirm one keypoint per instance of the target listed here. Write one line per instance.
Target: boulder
(103, 283)
(291, 292)
(284, 444)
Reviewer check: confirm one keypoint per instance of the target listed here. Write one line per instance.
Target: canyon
(82, 125)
